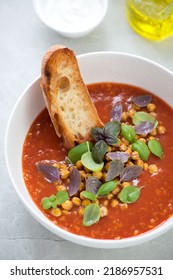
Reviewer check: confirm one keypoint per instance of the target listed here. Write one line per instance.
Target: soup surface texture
(155, 204)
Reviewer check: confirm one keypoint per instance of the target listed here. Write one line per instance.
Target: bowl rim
(79, 239)
(72, 32)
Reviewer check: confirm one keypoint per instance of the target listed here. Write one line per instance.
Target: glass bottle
(152, 19)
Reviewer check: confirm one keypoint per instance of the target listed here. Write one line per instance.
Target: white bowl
(71, 18)
(95, 67)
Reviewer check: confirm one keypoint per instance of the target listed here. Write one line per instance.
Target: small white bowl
(71, 18)
(95, 67)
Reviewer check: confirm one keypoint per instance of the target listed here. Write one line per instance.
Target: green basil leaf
(52, 198)
(46, 203)
(99, 150)
(54, 204)
(156, 148)
(61, 196)
(128, 132)
(144, 117)
(89, 195)
(142, 149)
(107, 188)
(91, 214)
(115, 168)
(129, 194)
(76, 152)
(88, 161)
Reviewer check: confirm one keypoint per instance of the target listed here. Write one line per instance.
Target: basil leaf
(130, 173)
(123, 156)
(52, 198)
(88, 162)
(129, 194)
(144, 117)
(92, 184)
(91, 214)
(97, 133)
(116, 112)
(89, 195)
(156, 148)
(107, 188)
(112, 128)
(142, 100)
(76, 152)
(99, 150)
(61, 196)
(142, 149)
(75, 180)
(46, 203)
(144, 127)
(128, 132)
(115, 168)
(50, 172)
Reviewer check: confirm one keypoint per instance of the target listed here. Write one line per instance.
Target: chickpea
(161, 129)
(123, 140)
(153, 168)
(125, 184)
(81, 196)
(98, 174)
(65, 212)
(106, 202)
(151, 138)
(81, 211)
(153, 132)
(124, 116)
(81, 187)
(109, 149)
(83, 174)
(104, 176)
(76, 201)
(151, 107)
(123, 206)
(56, 212)
(86, 202)
(116, 190)
(61, 188)
(129, 151)
(136, 107)
(67, 205)
(131, 112)
(79, 165)
(110, 196)
(114, 202)
(143, 140)
(135, 155)
(123, 147)
(129, 163)
(64, 173)
(145, 166)
(140, 163)
(103, 211)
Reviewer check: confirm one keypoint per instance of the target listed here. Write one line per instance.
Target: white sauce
(72, 15)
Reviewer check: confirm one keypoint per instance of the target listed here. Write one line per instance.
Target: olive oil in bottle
(152, 19)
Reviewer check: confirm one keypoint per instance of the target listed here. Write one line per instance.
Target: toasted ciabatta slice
(67, 99)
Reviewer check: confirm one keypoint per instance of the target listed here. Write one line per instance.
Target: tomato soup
(155, 204)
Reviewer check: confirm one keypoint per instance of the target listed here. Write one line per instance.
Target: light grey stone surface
(23, 41)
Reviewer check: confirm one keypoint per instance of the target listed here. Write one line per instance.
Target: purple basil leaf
(115, 168)
(144, 127)
(116, 112)
(75, 180)
(97, 133)
(142, 100)
(92, 184)
(130, 173)
(123, 156)
(50, 172)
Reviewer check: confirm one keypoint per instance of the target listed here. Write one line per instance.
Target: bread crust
(67, 99)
